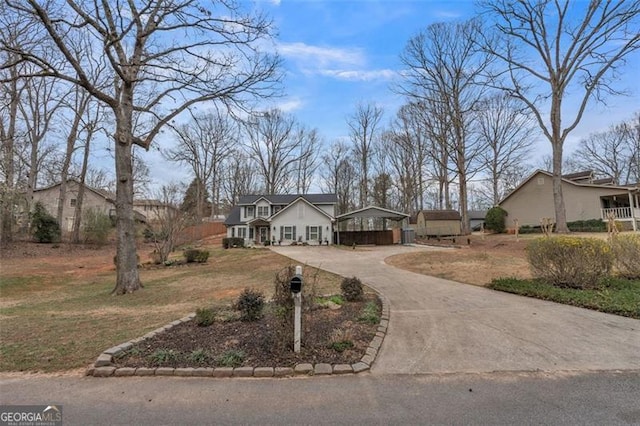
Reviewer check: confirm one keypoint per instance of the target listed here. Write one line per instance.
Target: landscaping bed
(336, 335)
(615, 296)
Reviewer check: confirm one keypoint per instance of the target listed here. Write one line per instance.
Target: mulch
(264, 343)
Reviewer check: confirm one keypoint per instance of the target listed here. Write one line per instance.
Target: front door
(264, 234)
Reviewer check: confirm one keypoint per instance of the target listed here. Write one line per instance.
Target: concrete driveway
(441, 326)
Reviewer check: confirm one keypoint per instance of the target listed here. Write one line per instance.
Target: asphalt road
(604, 398)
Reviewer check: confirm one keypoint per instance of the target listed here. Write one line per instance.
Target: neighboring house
(438, 223)
(476, 219)
(96, 199)
(154, 210)
(283, 218)
(584, 199)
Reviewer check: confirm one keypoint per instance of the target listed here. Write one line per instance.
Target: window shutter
(281, 233)
(307, 236)
(320, 233)
(294, 233)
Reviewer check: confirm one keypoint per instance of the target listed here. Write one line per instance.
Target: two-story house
(283, 218)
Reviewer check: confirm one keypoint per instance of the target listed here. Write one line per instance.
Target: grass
(615, 296)
(59, 322)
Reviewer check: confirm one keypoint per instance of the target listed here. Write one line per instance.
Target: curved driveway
(441, 326)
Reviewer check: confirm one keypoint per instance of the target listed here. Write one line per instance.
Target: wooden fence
(379, 238)
(200, 231)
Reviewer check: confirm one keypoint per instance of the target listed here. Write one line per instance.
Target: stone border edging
(104, 365)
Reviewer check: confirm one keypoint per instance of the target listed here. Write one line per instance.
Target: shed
(438, 223)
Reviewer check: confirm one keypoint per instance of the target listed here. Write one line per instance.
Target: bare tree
(277, 144)
(339, 176)
(554, 47)
(507, 132)
(168, 221)
(307, 159)
(165, 57)
(612, 153)
(239, 177)
(363, 127)
(204, 143)
(446, 69)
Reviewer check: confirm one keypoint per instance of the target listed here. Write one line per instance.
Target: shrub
(231, 358)
(626, 255)
(96, 226)
(205, 317)
(574, 262)
(370, 314)
(45, 227)
(250, 304)
(195, 255)
(351, 289)
(164, 356)
(232, 242)
(495, 219)
(200, 356)
(341, 340)
(591, 225)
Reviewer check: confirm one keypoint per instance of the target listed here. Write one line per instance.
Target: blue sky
(337, 53)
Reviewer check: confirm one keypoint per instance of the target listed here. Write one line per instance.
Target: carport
(369, 215)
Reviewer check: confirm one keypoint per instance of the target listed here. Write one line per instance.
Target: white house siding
(300, 215)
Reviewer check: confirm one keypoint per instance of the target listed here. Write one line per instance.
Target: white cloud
(290, 105)
(322, 57)
(360, 75)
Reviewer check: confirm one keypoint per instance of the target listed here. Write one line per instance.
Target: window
(288, 232)
(314, 233)
(73, 202)
(275, 209)
(242, 232)
(263, 211)
(249, 211)
(251, 233)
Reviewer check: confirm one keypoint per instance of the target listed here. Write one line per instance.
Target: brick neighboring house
(283, 218)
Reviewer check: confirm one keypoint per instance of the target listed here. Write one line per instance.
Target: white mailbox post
(296, 292)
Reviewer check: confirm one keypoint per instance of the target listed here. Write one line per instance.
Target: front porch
(623, 207)
(259, 231)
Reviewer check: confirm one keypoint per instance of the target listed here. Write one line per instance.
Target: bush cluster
(495, 219)
(626, 254)
(195, 255)
(352, 289)
(572, 262)
(45, 227)
(96, 227)
(205, 317)
(232, 242)
(591, 225)
(250, 304)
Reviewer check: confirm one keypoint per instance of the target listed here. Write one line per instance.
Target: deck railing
(620, 213)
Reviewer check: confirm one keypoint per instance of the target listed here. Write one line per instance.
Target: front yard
(56, 311)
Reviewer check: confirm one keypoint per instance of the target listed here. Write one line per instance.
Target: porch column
(633, 210)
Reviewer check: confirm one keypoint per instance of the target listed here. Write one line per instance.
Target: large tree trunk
(558, 199)
(8, 135)
(128, 279)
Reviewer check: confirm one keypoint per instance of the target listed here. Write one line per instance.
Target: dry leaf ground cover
(57, 314)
